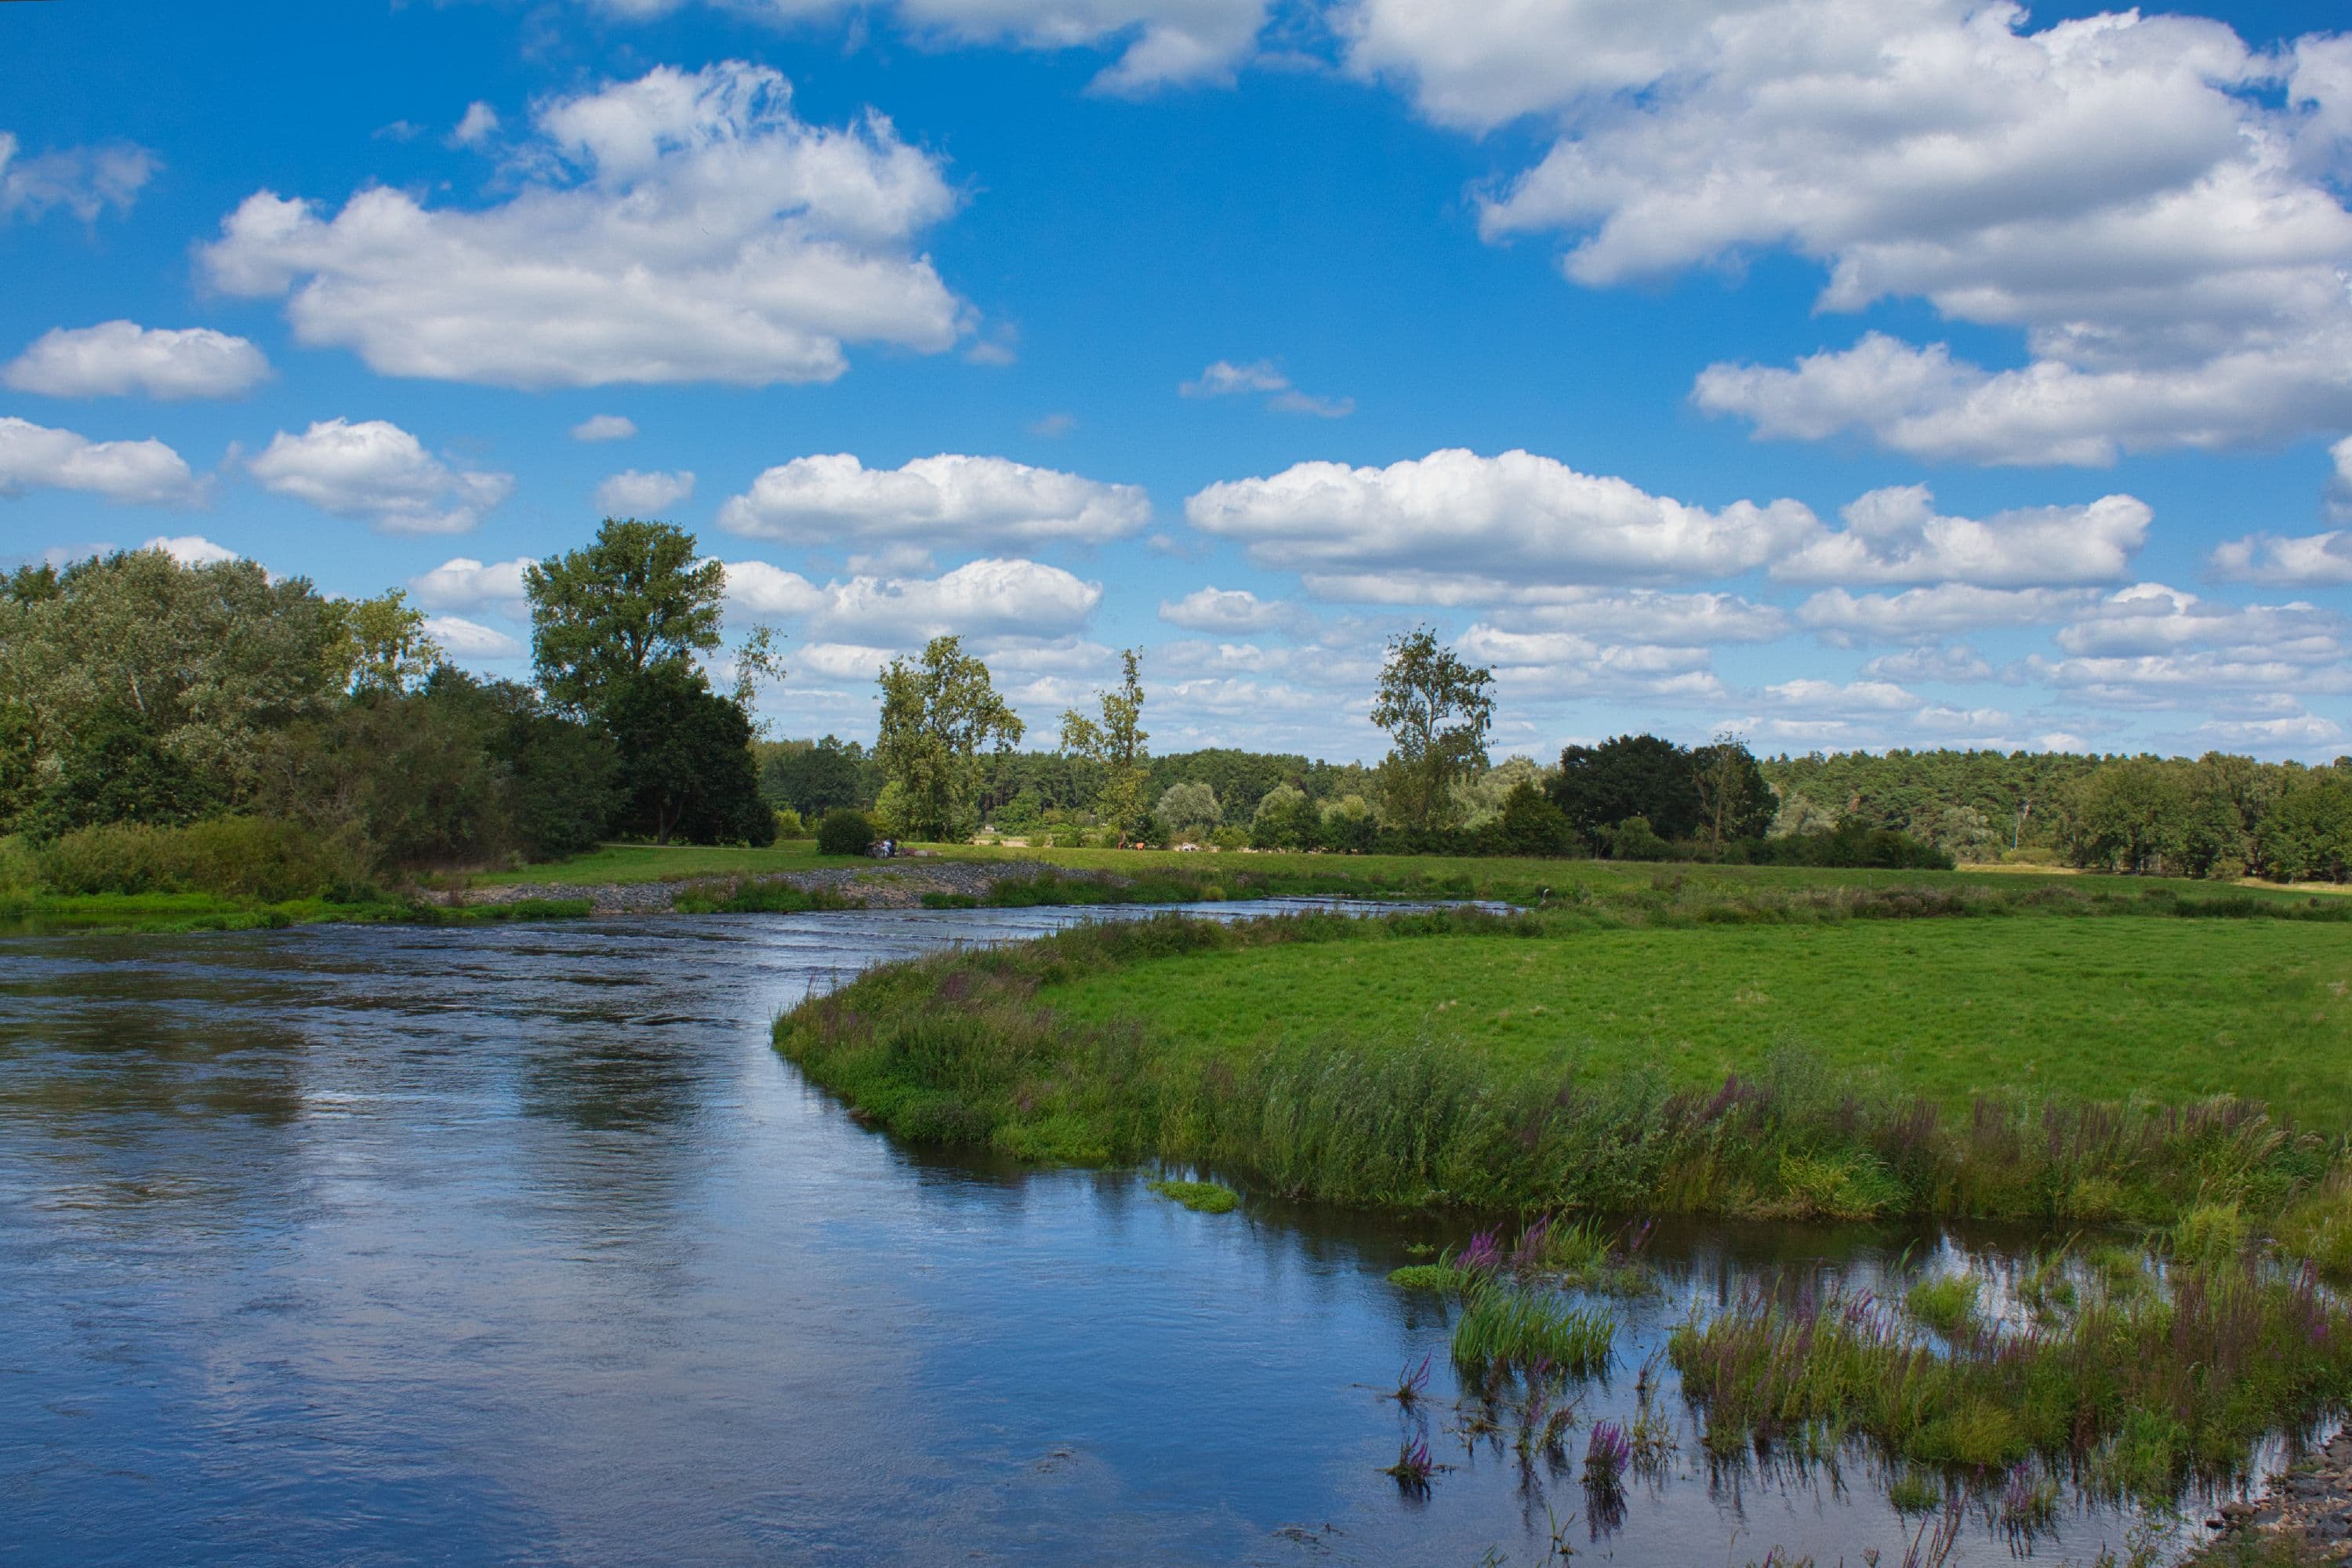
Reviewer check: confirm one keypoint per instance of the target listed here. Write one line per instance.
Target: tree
(2132, 813)
(814, 777)
(1626, 776)
(685, 760)
(1531, 824)
(1189, 811)
(385, 642)
(1285, 819)
(1437, 710)
(203, 661)
(2307, 835)
(1734, 801)
(1115, 745)
(633, 600)
(936, 715)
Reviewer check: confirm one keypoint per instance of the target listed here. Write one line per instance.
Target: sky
(1844, 373)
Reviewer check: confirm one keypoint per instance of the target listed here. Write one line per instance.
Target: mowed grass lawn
(2105, 1008)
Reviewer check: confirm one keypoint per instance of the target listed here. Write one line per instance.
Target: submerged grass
(2136, 1392)
(1201, 1197)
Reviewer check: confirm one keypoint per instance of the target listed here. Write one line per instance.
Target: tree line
(142, 697)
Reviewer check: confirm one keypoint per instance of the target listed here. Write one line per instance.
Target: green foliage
(845, 832)
(1437, 710)
(936, 716)
(156, 684)
(814, 777)
(1598, 788)
(1531, 824)
(1734, 801)
(2306, 836)
(1201, 1197)
(633, 600)
(1442, 1278)
(685, 760)
(1634, 840)
(1285, 819)
(1113, 748)
(1189, 811)
(233, 857)
(384, 643)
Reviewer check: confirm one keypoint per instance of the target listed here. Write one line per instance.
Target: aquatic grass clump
(2142, 1390)
(1504, 1326)
(1947, 1304)
(1201, 1197)
(1414, 1468)
(1441, 1278)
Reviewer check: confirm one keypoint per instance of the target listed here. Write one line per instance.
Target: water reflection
(383, 1245)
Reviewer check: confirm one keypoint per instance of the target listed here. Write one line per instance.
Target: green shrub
(231, 857)
(20, 869)
(790, 824)
(844, 831)
(1948, 1305)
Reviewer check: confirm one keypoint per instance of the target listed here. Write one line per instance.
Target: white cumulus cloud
(1226, 379)
(1895, 535)
(2312, 559)
(631, 493)
(604, 427)
(462, 582)
(1919, 614)
(470, 639)
(478, 125)
(139, 473)
(2150, 618)
(191, 548)
(1512, 517)
(684, 226)
(946, 502)
(1231, 611)
(117, 358)
(85, 181)
(2150, 202)
(379, 473)
(981, 599)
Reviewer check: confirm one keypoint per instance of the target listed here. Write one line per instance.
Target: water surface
(393, 1244)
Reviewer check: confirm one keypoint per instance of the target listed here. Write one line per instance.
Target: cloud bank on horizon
(1849, 372)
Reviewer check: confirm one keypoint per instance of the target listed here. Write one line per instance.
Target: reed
(1503, 1326)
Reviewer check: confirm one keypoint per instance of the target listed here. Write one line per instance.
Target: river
(362, 1245)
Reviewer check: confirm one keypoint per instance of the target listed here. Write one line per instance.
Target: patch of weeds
(1442, 1278)
(1502, 1325)
(1201, 1197)
(1947, 1304)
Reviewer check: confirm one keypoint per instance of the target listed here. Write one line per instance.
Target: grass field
(2101, 1009)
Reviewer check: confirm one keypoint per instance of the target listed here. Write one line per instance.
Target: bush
(844, 831)
(233, 857)
(1636, 839)
(790, 824)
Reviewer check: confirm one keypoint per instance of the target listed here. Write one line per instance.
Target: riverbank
(1388, 1101)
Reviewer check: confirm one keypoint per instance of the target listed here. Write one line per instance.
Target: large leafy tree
(1114, 744)
(1598, 788)
(1734, 801)
(385, 643)
(176, 672)
(633, 600)
(685, 760)
(1437, 710)
(936, 714)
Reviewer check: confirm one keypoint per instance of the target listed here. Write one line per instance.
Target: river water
(401, 1245)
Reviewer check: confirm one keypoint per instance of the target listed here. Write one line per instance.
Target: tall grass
(1503, 1326)
(2136, 1390)
(232, 856)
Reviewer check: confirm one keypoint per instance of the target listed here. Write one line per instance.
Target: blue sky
(1846, 372)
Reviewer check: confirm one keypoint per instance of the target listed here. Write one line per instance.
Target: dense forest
(165, 725)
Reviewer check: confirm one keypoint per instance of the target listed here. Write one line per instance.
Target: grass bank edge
(959, 1049)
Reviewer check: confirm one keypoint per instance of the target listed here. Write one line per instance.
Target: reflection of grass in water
(1201, 1197)
(1916, 1491)
(2141, 1389)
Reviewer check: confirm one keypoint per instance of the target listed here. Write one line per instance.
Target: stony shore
(2308, 1510)
(886, 885)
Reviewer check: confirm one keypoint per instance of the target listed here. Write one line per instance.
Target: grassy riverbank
(1335, 1059)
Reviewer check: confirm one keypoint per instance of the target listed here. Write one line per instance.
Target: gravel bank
(2310, 1506)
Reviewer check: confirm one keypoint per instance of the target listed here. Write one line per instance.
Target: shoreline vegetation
(182, 880)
